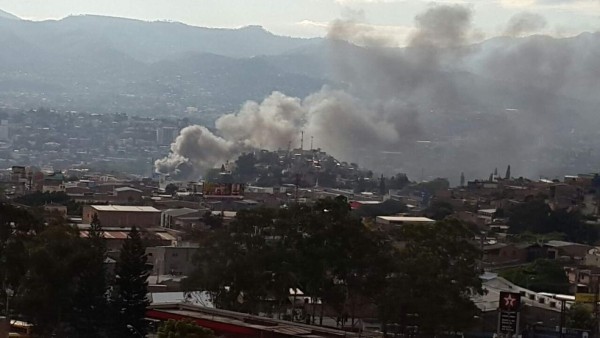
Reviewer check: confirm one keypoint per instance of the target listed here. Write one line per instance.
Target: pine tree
(131, 287)
(382, 187)
(90, 299)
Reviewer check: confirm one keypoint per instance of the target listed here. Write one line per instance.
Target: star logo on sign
(509, 301)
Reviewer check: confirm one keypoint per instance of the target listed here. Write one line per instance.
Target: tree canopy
(536, 216)
(183, 329)
(130, 300)
(325, 251)
(543, 275)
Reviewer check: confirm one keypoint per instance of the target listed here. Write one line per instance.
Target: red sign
(510, 301)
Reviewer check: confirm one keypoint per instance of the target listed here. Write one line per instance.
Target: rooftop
(122, 189)
(244, 324)
(406, 219)
(558, 244)
(125, 208)
(180, 211)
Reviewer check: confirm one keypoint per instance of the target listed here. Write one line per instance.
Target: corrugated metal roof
(165, 235)
(127, 208)
(405, 219)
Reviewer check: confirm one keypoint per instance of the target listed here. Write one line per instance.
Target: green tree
(543, 275)
(56, 257)
(231, 262)
(580, 316)
(18, 228)
(438, 265)
(321, 249)
(90, 305)
(130, 300)
(537, 217)
(438, 210)
(171, 189)
(183, 329)
(382, 187)
(244, 166)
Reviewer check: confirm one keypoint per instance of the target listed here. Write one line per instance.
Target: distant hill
(154, 41)
(108, 64)
(6, 15)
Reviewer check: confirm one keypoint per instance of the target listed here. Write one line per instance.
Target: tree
(171, 189)
(321, 249)
(53, 275)
(507, 175)
(537, 217)
(580, 316)
(543, 275)
(399, 181)
(183, 329)
(18, 229)
(382, 188)
(244, 166)
(90, 303)
(325, 250)
(438, 265)
(130, 300)
(438, 210)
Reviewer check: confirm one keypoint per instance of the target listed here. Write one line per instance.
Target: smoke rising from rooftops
(442, 88)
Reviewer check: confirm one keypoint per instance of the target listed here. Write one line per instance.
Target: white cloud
(349, 2)
(558, 4)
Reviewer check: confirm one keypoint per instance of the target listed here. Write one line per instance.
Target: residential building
(181, 218)
(122, 216)
(115, 237)
(54, 182)
(166, 135)
(571, 250)
(504, 253)
(402, 220)
(172, 260)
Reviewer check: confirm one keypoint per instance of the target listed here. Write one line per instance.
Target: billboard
(222, 189)
(510, 305)
(585, 298)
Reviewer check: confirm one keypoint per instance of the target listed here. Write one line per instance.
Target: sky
(308, 18)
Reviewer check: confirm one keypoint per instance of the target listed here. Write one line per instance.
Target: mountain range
(108, 64)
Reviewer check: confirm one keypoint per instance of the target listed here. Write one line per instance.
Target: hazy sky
(310, 17)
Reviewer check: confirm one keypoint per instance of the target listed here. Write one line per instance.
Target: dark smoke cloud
(441, 106)
(525, 24)
(443, 27)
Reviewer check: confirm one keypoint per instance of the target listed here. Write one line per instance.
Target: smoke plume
(524, 24)
(443, 105)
